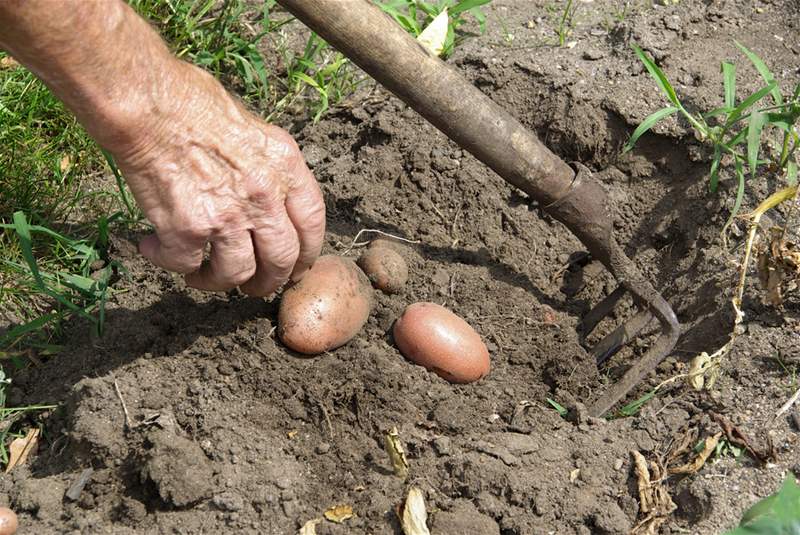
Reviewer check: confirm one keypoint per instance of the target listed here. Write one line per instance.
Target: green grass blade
(791, 172)
(717, 111)
(764, 71)
(649, 122)
(658, 75)
(748, 102)
(729, 82)
(14, 334)
(783, 120)
(714, 177)
(738, 138)
(24, 233)
(739, 191)
(633, 407)
(562, 411)
(466, 5)
(754, 128)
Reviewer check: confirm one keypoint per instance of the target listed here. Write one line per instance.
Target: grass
(736, 131)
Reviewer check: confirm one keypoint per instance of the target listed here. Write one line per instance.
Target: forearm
(101, 59)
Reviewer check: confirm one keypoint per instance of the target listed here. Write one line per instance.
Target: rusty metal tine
(600, 311)
(620, 336)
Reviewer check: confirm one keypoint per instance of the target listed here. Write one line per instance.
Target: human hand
(210, 172)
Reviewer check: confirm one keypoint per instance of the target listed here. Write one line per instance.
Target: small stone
(323, 448)
(618, 464)
(442, 445)
(283, 483)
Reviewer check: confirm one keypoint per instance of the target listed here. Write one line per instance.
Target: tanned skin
(202, 168)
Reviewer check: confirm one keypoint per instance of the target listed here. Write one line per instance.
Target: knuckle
(284, 258)
(242, 276)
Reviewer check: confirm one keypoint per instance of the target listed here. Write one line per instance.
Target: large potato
(326, 308)
(432, 336)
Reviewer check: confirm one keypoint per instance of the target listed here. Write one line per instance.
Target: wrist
(187, 107)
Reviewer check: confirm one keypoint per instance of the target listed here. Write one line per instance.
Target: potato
(326, 308)
(432, 336)
(385, 268)
(8, 521)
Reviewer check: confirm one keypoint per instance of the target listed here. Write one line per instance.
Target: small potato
(326, 308)
(8, 521)
(385, 268)
(432, 336)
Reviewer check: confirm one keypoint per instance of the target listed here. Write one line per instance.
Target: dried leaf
(778, 266)
(20, 448)
(697, 370)
(396, 453)
(737, 437)
(310, 527)
(435, 34)
(292, 433)
(65, 164)
(7, 62)
(698, 462)
(339, 513)
(655, 503)
(414, 516)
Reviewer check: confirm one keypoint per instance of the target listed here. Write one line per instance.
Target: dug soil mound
(230, 432)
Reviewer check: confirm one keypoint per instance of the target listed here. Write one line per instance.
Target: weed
(328, 73)
(565, 23)
(217, 39)
(737, 128)
(415, 15)
(76, 290)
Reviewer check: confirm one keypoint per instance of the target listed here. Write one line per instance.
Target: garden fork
(374, 42)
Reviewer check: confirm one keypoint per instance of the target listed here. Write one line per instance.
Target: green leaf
(765, 73)
(24, 233)
(717, 111)
(714, 177)
(746, 103)
(466, 5)
(738, 138)
(308, 80)
(739, 190)
(783, 120)
(729, 81)
(633, 407)
(649, 122)
(754, 128)
(19, 331)
(562, 411)
(791, 172)
(658, 75)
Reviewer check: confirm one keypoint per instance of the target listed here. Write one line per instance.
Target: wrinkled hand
(212, 173)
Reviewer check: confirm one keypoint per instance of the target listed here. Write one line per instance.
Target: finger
(182, 258)
(276, 249)
(306, 209)
(232, 263)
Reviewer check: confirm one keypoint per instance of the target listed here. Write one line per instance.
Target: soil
(233, 433)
